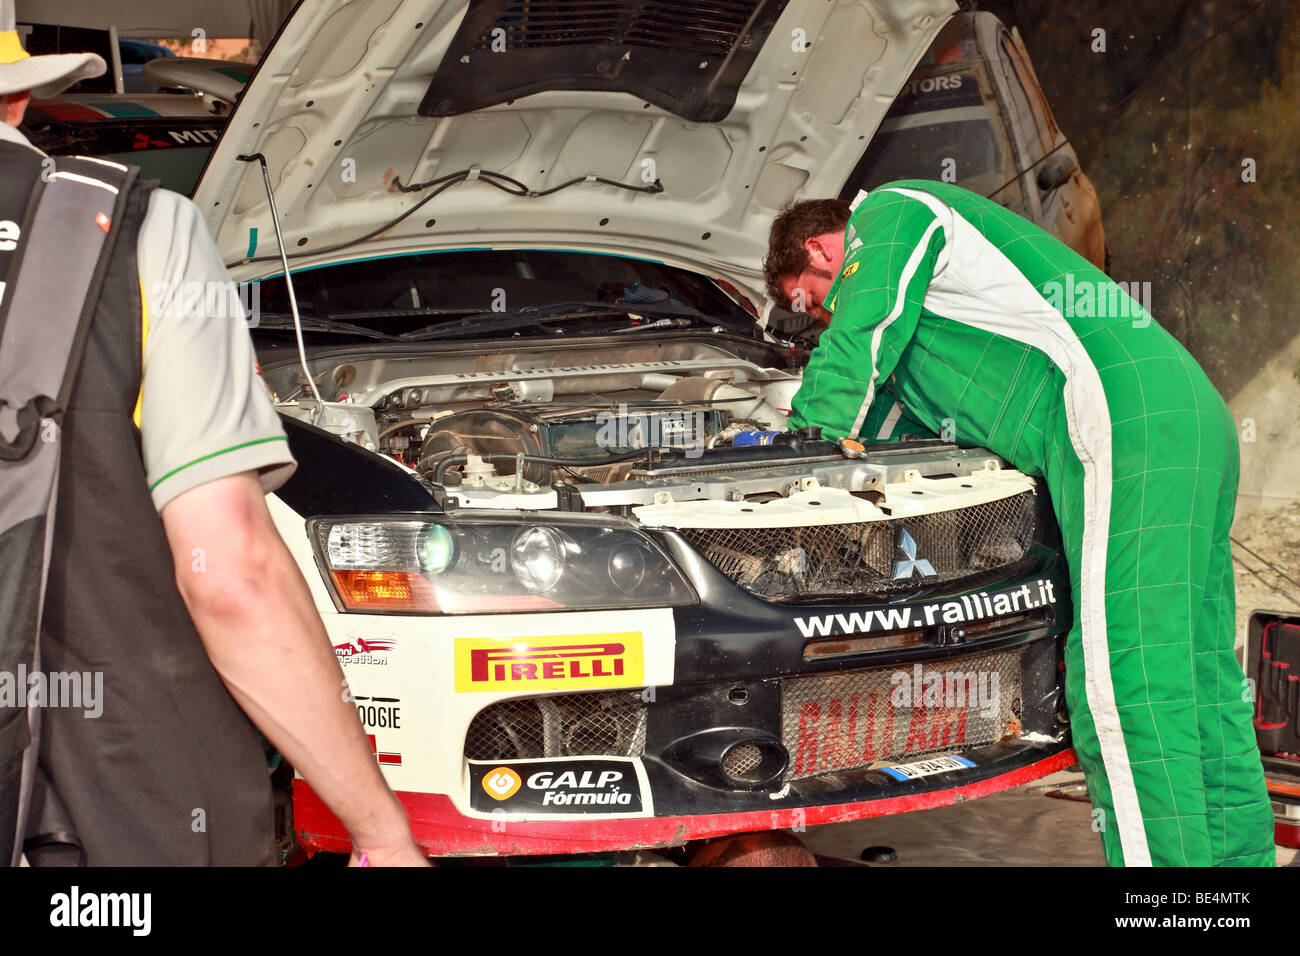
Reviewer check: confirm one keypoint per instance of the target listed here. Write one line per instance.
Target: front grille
(842, 559)
(621, 23)
(564, 725)
(848, 720)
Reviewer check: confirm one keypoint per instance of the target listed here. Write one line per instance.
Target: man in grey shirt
(211, 446)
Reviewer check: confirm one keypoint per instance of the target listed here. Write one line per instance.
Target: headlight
(538, 558)
(477, 566)
(437, 549)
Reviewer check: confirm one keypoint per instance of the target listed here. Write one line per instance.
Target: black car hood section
(336, 477)
(688, 59)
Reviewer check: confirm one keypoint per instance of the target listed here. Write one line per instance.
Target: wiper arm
(627, 308)
(674, 323)
(394, 313)
(537, 315)
(316, 323)
(496, 322)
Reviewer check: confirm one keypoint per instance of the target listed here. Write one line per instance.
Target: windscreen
(397, 294)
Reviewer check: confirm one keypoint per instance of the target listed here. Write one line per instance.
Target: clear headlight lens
(627, 567)
(437, 549)
(481, 566)
(538, 558)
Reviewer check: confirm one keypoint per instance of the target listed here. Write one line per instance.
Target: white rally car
(587, 590)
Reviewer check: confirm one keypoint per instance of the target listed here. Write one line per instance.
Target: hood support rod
(288, 280)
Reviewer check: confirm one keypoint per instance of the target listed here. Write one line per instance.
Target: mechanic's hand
(399, 854)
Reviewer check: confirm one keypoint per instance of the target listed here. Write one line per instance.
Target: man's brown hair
(786, 255)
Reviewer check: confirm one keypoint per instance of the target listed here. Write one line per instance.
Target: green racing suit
(991, 332)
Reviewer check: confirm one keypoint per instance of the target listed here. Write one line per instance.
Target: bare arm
(255, 616)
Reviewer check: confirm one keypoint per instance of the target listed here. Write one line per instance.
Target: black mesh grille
(667, 24)
(687, 58)
(564, 725)
(852, 719)
(741, 761)
(825, 560)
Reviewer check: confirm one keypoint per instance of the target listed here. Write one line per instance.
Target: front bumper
(716, 674)
(441, 830)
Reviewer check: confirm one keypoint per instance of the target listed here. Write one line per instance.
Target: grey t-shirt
(203, 411)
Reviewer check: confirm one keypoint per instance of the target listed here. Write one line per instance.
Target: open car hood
(717, 103)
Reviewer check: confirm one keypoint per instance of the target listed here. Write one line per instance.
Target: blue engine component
(756, 438)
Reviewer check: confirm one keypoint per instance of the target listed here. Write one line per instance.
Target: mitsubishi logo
(904, 566)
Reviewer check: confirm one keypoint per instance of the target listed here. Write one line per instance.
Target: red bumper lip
(442, 831)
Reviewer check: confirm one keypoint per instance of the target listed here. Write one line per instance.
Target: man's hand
(407, 855)
(263, 635)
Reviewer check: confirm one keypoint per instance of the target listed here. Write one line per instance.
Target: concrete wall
(1193, 143)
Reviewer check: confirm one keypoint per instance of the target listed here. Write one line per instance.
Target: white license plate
(923, 768)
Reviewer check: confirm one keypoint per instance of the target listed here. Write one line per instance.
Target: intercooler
(851, 719)
(861, 557)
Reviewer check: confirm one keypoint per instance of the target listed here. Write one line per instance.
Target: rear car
(168, 137)
(973, 113)
(164, 116)
(587, 590)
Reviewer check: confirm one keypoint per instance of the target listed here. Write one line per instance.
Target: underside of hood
(687, 128)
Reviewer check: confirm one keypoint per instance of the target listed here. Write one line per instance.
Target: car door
(1017, 110)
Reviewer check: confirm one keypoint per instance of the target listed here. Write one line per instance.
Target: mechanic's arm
(261, 630)
(894, 243)
(213, 446)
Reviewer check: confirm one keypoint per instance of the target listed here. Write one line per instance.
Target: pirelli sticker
(568, 662)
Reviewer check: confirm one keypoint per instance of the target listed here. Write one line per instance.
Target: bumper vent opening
(741, 761)
(564, 725)
(755, 762)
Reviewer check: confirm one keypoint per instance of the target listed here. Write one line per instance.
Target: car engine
(579, 422)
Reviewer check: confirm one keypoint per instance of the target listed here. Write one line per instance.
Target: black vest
(171, 772)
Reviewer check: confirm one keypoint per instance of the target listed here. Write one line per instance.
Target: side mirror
(1055, 171)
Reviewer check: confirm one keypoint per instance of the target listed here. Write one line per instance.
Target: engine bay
(672, 435)
(573, 417)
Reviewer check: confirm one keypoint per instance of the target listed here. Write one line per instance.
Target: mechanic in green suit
(985, 328)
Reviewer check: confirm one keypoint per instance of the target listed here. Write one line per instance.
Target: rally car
(588, 591)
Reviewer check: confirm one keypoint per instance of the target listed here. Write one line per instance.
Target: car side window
(1031, 119)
